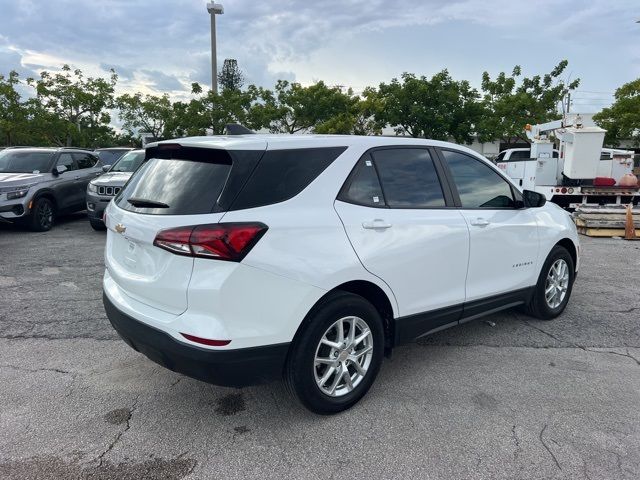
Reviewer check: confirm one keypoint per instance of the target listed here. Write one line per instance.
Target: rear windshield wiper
(145, 203)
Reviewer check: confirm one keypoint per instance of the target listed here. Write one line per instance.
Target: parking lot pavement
(505, 397)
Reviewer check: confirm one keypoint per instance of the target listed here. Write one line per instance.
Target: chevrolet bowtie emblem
(120, 228)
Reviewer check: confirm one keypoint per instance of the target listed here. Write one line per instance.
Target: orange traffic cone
(629, 227)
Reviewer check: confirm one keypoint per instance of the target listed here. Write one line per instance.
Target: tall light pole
(214, 9)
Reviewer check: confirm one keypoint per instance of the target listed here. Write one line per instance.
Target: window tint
(67, 160)
(85, 160)
(167, 186)
(21, 161)
(500, 157)
(479, 186)
(283, 174)
(520, 155)
(408, 178)
(364, 187)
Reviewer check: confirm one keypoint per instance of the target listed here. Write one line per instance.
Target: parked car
(237, 260)
(101, 190)
(111, 155)
(37, 184)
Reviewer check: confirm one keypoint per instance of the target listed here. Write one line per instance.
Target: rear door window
(409, 178)
(177, 186)
(85, 160)
(68, 161)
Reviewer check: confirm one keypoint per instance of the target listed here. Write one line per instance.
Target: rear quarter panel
(306, 240)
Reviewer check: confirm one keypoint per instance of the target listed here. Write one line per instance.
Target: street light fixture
(214, 9)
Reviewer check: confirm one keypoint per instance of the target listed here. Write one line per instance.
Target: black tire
(538, 307)
(97, 225)
(301, 368)
(42, 216)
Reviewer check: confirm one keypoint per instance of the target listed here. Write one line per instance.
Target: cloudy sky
(163, 45)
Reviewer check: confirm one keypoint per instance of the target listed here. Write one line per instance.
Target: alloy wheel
(45, 215)
(343, 356)
(557, 284)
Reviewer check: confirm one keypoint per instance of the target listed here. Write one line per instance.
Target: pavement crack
(541, 437)
(516, 440)
(581, 347)
(627, 355)
(120, 434)
(35, 370)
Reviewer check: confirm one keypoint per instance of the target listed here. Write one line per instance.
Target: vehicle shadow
(61, 221)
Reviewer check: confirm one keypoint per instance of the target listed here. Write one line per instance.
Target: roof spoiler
(237, 129)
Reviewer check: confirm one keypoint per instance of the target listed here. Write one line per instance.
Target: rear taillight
(221, 241)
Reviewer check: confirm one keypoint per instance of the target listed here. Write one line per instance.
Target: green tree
(316, 108)
(79, 105)
(438, 108)
(13, 112)
(211, 112)
(622, 119)
(148, 113)
(511, 102)
(230, 77)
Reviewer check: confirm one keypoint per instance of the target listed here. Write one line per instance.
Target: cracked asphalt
(506, 397)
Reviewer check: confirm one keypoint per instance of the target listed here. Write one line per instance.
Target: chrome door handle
(376, 224)
(480, 222)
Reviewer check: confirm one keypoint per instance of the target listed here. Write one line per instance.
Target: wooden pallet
(604, 232)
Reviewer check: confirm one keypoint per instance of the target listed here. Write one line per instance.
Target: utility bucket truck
(579, 173)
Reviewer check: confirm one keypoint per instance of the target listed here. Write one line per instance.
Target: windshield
(20, 161)
(129, 162)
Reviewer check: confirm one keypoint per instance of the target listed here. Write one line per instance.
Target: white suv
(241, 259)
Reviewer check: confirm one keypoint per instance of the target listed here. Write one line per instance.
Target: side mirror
(105, 168)
(59, 169)
(533, 199)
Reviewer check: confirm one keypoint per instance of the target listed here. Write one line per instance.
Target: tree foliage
(12, 112)
(80, 106)
(438, 108)
(512, 101)
(231, 77)
(67, 108)
(146, 113)
(622, 119)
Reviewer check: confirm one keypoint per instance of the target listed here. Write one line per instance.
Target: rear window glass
(283, 174)
(169, 186)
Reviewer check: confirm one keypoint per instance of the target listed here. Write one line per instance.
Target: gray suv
(37, 184)
(101, 190)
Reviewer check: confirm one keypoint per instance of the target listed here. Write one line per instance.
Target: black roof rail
(237, 129)
(75, 148)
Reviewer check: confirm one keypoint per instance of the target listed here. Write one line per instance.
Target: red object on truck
(604, 182)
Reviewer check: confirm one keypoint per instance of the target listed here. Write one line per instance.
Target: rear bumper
(231, 368)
